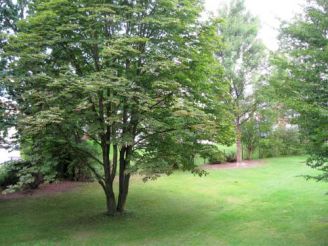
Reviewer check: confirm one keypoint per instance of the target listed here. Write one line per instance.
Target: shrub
(61, 159)
(212, 154)
(216, 157)
(19, 175)
(230, 156)
(281, 142)
(250, 138)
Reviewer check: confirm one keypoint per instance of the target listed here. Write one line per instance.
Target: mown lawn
(268, 205)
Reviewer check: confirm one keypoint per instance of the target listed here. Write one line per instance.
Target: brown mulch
(244, 164)
(43, 190)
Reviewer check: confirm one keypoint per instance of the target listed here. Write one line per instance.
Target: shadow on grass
(80, 215)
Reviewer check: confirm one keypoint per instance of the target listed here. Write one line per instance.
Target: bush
(281, 142)
(19, 175)
(230, 157)
(60, 159)
(212, 154)
(3, 173)
(216, 157)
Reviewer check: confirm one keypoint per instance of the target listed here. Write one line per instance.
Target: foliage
(10, 13)
(213, 155)
(250, 137)
(270, 139)
(269, 123)
(281, 142)
(20, 175)
(57, 154)
(230, 156)
(133, 77)
(242, 58)
(301, 78)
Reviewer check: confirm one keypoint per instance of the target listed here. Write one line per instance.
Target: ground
(269, 204)
(243, 164)
(43, 190)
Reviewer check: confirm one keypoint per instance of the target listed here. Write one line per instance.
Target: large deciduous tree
(58, 157)
(242, 57)
(10, 13)
(137, 78)
(301, 78)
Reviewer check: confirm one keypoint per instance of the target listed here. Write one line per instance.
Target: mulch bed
(233, 165)
(43, 190)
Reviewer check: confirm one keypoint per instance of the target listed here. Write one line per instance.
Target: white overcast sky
(270, 12)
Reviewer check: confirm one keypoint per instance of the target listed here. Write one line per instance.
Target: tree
(242, 57)
(300, 78)
(62, 165)
(10, 13)
(258, 128)
(139, 79)
(250, 136)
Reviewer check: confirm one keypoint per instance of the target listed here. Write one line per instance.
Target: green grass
(268, 205)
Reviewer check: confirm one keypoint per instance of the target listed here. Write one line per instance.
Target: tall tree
(138, 78)
(242, 57)
(58, 165)
(301, 78)
(10, 13)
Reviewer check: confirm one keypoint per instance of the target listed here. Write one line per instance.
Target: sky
(270, 12)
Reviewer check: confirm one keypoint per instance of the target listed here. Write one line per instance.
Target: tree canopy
(11, 12)
(242, 57)
(112, 88)
(139, 79)
(301, 78)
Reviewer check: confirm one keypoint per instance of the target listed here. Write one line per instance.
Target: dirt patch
(43, 190)
(244, 164)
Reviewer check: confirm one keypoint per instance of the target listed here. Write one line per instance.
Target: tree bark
(124, 178)
(122, 197)
(238, 144)
(110, 201)
(108, 187)
(250, 153)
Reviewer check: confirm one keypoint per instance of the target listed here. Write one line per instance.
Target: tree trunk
(108, 187)
(238, 143)
(110, 201)
(124, 178)
(250, 153)
(123, 194)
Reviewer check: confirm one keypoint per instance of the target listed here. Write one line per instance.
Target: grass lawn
(267, 205)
